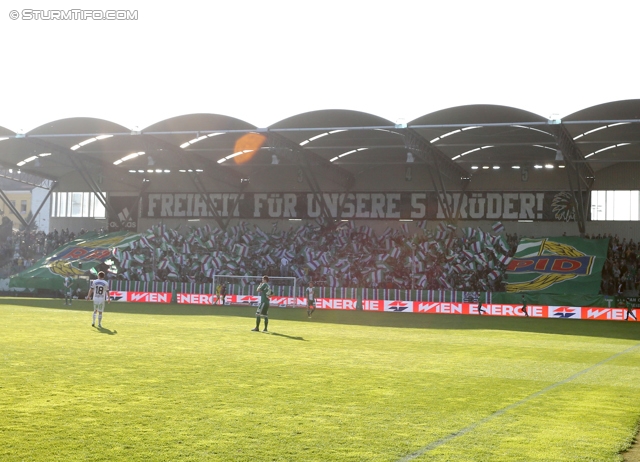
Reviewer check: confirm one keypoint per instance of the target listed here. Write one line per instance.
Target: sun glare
(248, 145)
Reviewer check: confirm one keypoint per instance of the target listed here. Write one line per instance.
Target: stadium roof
(347, 141)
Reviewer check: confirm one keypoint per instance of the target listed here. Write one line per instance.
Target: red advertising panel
(145, 297)
(607, 314)
(196, 299)
(149, 297)
(336, 303)
(398, 306)
(443, 307)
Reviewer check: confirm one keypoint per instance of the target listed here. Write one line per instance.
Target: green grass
(193, 383)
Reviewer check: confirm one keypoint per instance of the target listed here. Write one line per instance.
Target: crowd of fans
(348, 256)
(620, 271)
(20, 249)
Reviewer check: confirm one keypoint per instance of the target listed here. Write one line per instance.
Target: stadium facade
(472, 165)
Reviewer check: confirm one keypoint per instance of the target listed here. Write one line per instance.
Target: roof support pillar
(80, 167)
(439, 166)
(309, 163)
(197, 182)
(579, 172)
(8, 203)
(46, 198)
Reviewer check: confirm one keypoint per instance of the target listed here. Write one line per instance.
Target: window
(86, 204)
(615, 205)
(23, 207)
(98, 209)
(76, 204)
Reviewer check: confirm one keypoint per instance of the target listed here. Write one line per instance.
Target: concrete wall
(387, 177)
(44, 216)
(76, 224)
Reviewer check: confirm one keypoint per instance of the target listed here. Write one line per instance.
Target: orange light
(251, 142)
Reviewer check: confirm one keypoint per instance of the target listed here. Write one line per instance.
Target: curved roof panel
(342, 136)
(484, 133)
(6, 132)
(607, 133)
(47, 150)
(195, 139)
(78, 125)
(468, 135)
(624, 109)
(332, 118)
(476, 113)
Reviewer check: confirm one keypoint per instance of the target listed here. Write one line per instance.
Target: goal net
(284, 287)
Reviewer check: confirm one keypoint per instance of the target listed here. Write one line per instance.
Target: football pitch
(193, 383)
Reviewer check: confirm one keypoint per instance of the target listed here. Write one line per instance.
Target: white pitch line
(474, 425)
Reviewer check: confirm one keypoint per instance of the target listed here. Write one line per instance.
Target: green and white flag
(559, 265)
(74, 259)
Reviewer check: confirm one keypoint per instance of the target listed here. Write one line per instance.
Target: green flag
(75, 259)
(558, 265)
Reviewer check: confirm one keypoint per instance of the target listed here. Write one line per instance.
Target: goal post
(281, 286)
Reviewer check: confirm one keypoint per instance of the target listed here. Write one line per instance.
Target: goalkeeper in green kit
(265, 291)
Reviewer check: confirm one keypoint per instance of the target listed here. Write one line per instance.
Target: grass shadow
(288, 336)
(104, 330)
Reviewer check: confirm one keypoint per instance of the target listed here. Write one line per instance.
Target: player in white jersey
(100, 292)
(311, 299)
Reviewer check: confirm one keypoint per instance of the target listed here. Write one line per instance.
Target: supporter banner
(125, 213)
(547, 206)
(75, 259)
(537, 206)
(561, 265)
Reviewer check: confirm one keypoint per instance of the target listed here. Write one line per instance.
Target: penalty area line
(474, 425)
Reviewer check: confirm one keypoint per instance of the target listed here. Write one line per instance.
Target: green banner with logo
(75, 259)
(557, 265)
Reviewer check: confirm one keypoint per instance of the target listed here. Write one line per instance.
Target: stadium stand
(20, 249)
(348, 256)
(339, 185)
